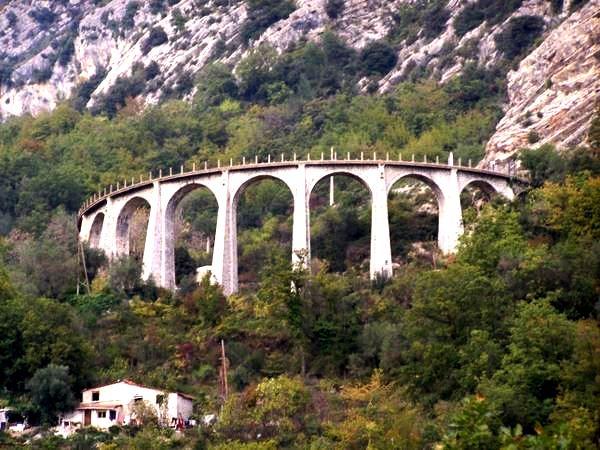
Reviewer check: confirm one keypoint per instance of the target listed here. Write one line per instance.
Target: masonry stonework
(104, 219)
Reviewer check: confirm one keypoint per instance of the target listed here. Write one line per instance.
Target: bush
(494, 11)
(378, 58)
(533, 137)
(12, 19)
(334, 8)
(84, 91)
(151, 71)
(66, 50)
(576, 4)
(434, 20)
(43, 16)
(262, 14)
(557, 6)
(156, 37)
(157, 6)
(128, 20)
(518, 36)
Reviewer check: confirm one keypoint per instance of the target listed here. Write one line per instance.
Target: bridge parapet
(143, 181)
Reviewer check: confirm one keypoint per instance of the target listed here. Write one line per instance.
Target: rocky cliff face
(50, 48)
(554, 91)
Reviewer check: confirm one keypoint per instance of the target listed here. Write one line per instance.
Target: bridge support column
(450, 211)
(225, 264)
(301, 225)
(108, 236)
(381, 252)
(154, 261)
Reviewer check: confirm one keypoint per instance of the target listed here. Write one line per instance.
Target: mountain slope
(53, 50)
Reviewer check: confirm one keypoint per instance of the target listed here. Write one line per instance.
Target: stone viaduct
(104, 218)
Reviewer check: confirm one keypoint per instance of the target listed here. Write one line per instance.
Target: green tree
(450, 309)
(50, 390)
(527, 383)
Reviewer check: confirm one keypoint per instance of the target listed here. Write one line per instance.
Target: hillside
(54, 50)
(496, 346)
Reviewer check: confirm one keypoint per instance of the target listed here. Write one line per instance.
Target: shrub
(576, 4)
(43, 16)
(494, 11)
(557, 5)
(156, 37)
(84, 91)
(128, 20)
(378, 58)
(66, 50)
(12, 19)
(262, 14)
(157, 6)
(151, 71)
(518, 36)
(6, 70)
(41, 75)
(334, 8)
(533, 137)
(434, 20)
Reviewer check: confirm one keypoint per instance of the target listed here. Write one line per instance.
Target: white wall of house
(120, 397)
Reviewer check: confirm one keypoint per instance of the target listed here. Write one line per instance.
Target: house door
(87, 417)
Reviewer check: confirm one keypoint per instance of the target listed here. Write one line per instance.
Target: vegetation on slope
(496, 347)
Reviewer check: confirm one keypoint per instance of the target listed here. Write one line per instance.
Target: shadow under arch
(424, 226)
(124, 223)
(274, 198)
(170, 232)
(340, 233)
(484, 186)
(96, 231)
(475, 194)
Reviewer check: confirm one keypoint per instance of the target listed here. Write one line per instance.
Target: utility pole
(81, 259)
(223, 384)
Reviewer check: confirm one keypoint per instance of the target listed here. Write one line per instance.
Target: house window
(160, 398)
(101, 414)
(112, 414)
(95, 396)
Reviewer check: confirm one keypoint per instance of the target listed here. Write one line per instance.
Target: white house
(114, 404)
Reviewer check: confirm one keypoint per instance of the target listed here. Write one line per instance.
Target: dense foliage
(495, 347)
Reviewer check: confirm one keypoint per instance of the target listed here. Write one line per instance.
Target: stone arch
(342, 257)
(124, 221)
(169, 225)
(439, 194)
(96, 230)
(340, 172)
(236, 198)
(485, 186)
(255, 179)
(396, 238)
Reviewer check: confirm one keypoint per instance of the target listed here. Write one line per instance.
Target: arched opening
(340, 223)
(96, 230)
(190, 234)
(132, 225)
(264, 211)
(473, 198)
(413, 212)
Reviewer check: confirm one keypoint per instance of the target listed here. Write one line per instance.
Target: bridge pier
(301, 222)
(450, 215)
(156, 264)
(225, 261)
(381, 251)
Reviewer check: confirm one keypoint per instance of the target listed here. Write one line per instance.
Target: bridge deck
(100, 198)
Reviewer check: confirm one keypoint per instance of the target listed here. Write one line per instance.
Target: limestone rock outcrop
(50, 49)
(555, 90)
